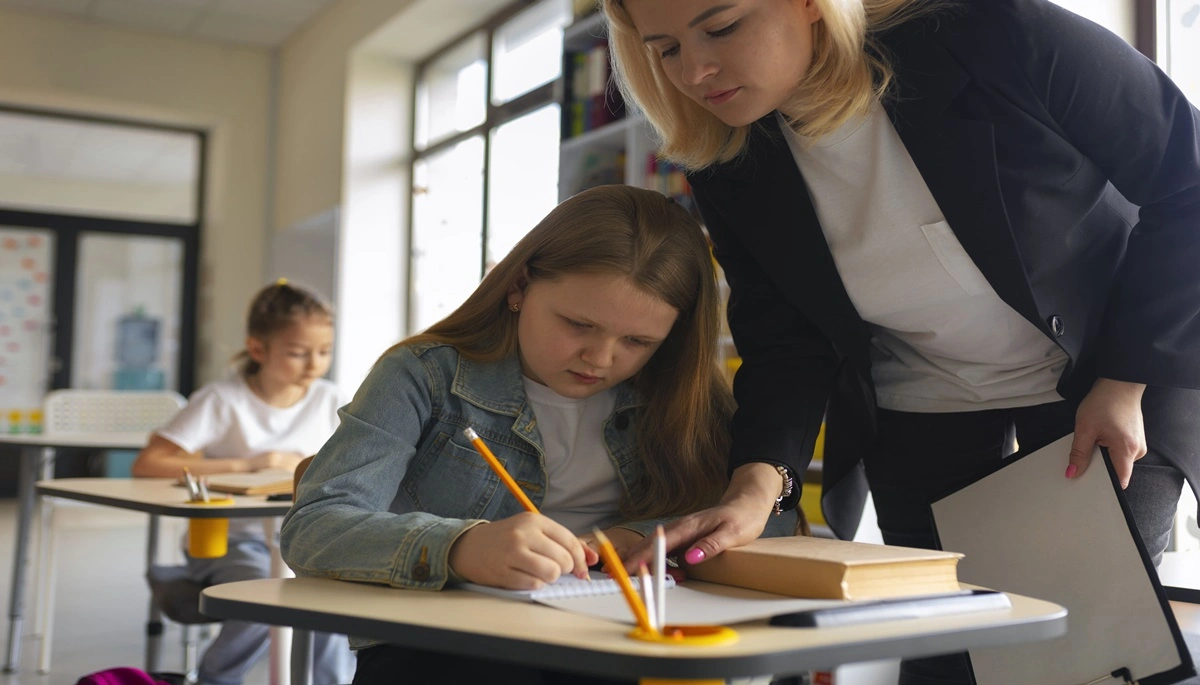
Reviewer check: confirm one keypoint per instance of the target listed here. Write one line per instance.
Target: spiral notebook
(566, 587)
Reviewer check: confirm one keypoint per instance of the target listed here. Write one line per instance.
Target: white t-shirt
(942, 339)
(226, 420)
(582, 489)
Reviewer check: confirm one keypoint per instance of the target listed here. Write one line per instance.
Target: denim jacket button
(622, 422)
(420, 572)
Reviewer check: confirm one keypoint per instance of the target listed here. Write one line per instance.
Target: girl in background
(275, 411)
(586, 360)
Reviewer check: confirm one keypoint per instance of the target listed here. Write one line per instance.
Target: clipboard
(1025, 528)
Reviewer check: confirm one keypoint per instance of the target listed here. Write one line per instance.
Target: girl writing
(586, 361)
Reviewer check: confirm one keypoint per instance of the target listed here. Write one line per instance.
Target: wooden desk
(37, 458)
(162, 497)
(464, 622)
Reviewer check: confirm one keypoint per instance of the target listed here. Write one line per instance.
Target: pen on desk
(617, 569)
(499, 469)
(660, 576)
(648, 596)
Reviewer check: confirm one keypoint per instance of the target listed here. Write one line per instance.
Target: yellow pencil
(617, 569)
(499, 469)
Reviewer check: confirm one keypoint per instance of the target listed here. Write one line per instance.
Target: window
(1179, 44)
(486, 137)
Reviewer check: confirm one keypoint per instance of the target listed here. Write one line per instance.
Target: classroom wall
(63, 63)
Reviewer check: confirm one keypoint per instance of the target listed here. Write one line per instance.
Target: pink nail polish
(694, 555)
(1071, 470)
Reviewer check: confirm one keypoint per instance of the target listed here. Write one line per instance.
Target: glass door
(128, 296)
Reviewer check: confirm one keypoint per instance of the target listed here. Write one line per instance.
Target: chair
(87, 414)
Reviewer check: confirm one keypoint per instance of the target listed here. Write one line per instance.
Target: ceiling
(259, 23)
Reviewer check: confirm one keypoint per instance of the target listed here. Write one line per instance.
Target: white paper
(1028, 529)
(714, 605)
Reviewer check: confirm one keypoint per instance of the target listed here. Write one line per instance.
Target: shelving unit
(628, 137)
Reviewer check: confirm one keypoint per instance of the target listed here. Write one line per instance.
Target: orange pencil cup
(209, 538)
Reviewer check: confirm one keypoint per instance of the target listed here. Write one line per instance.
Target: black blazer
(1068, 167)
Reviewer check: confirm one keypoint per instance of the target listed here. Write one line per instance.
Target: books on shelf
(831, 569)
(591, 100)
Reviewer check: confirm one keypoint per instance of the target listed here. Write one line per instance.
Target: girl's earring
(514, 307)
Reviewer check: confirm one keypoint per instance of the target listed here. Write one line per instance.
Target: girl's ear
(516, 292)
(256, 349)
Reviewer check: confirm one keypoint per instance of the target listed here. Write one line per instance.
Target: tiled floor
(102, 597)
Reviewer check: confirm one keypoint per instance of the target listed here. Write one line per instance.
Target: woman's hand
(623, 541)
(1109, 416)
(739, 518)
(522, 552)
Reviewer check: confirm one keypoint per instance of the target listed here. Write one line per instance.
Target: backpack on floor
(128, 676)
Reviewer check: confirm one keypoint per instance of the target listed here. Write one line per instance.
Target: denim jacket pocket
(450, 480)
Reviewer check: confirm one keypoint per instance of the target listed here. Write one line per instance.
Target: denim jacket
(398, 482)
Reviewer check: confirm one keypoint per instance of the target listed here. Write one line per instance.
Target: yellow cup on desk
(209, 538)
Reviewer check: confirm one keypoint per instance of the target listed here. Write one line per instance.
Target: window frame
(496, 116)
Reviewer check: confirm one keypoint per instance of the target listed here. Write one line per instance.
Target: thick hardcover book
(831, 569)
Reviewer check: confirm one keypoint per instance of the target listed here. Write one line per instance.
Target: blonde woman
(949, 227)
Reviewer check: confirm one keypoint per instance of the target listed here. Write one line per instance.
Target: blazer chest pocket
(954, 259)
(451, 481)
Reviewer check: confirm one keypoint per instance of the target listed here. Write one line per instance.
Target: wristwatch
(788, 486)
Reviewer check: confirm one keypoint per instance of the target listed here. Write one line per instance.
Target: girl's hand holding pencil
(522, 552)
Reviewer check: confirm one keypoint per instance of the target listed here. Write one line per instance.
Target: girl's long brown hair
(682, 431)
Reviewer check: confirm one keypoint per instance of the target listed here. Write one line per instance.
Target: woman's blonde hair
(848, 73)
(682, 429)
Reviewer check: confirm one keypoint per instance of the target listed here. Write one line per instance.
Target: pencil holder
(689, 636)
(209, 538)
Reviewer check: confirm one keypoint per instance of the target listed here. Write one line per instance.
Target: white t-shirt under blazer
(942, 339)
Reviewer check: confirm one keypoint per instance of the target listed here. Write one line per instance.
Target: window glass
(523, 178)
(447, 228)
(452, 93)
(127, 312)
(68, 166)
(1181, 44)
(527, 50)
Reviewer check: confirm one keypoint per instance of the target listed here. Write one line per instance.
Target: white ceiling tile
(292, 11)
(72, 6)
(168, 15)
(243, 29)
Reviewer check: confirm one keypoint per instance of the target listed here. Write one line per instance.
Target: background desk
(37, 457)
(161, 497)
(464, 622)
